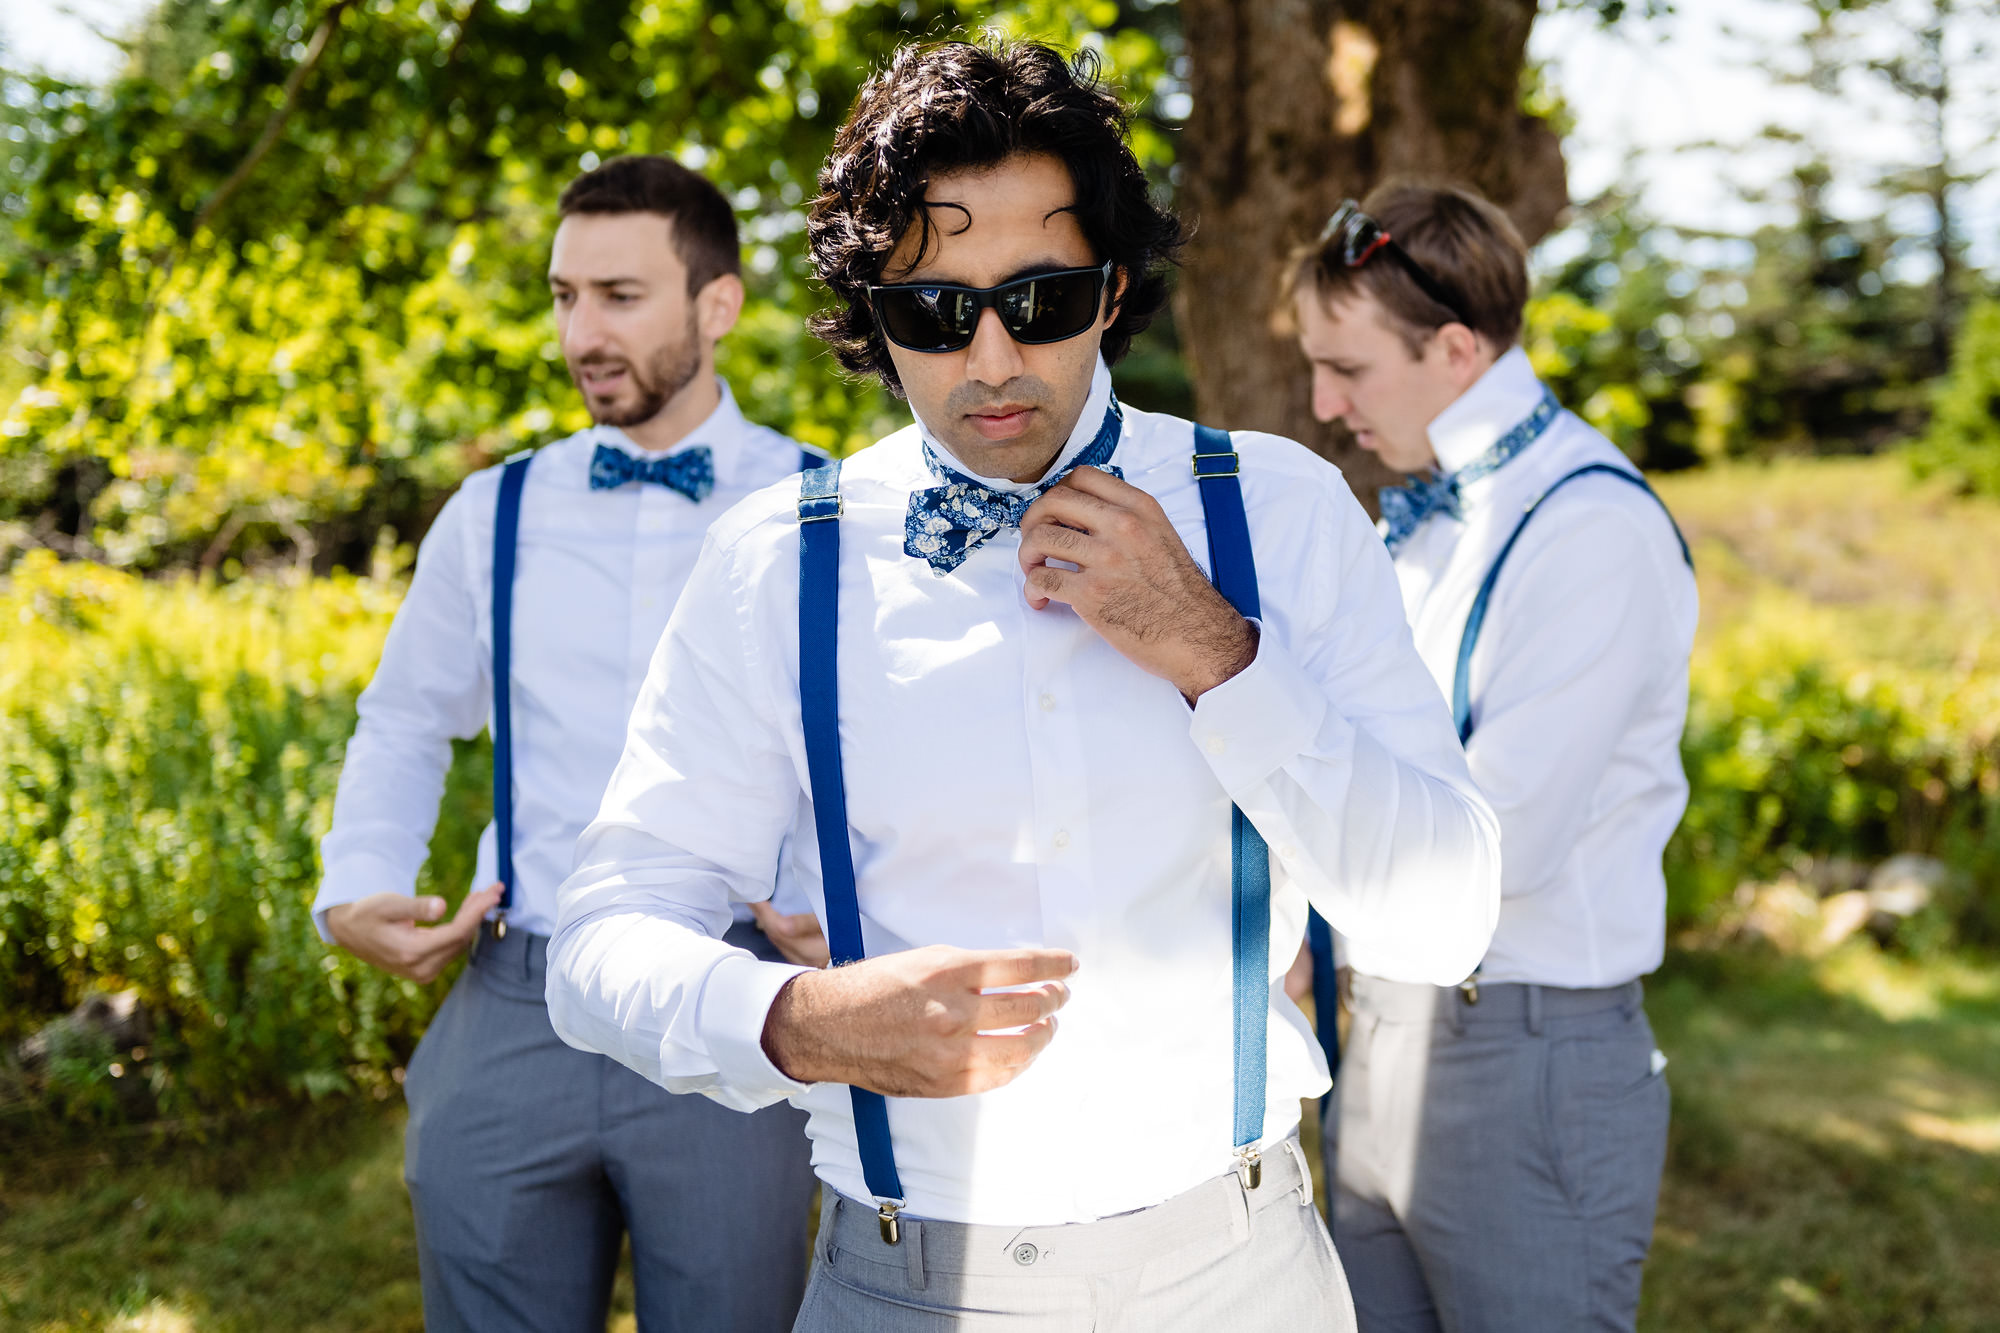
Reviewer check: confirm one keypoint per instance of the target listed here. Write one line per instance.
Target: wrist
(1220, 658)
(786, 1026)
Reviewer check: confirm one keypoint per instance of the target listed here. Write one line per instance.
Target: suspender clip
(1469, 988)
(500, 924)
(892, 1230)
(1250, 1167)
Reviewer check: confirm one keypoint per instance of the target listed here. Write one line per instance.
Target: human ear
(717, 305)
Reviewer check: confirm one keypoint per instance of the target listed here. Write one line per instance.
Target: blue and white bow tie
(947, 523)
(1405, 508)
(690, 471)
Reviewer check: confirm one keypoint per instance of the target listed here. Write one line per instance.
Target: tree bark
(1301, 103)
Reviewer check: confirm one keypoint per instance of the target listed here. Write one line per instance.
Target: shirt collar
(719, 430)
(1495, 403)
(1081, 434)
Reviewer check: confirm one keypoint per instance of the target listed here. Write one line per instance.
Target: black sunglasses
(1361, 236)
(943, 316)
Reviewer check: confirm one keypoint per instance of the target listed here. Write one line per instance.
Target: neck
(683, 412)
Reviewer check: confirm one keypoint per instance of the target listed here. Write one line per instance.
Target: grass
(1887, 570)
(1835, 1165)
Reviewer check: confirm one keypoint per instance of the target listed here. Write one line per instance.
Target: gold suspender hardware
(892, 1230)
(500, 924)
(1469, 988)
(1250, 1167)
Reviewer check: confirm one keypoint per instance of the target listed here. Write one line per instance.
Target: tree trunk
(1301, 103)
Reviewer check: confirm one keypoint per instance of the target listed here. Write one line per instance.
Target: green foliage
(1791, 757)
(1688, 347)
(199, 359)
(1963, 441)
(170, 752)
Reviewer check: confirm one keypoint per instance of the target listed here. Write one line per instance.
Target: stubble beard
(672, 368)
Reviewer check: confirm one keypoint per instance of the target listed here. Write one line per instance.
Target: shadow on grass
(1834, 1160)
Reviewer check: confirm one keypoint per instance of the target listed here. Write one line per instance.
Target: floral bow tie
(1405, 508)
(691, 471)
(947, 523)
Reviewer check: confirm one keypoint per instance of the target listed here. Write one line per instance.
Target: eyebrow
(557, 280)
(1034, 270)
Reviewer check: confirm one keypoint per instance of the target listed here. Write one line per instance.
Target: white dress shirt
(1013, 781)
(1579, 686)
(595, 580)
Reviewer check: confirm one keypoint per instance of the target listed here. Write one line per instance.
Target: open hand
(920, 1023)
(383, 930)
(1134, 581)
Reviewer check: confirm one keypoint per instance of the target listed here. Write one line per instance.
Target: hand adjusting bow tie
(690, 471)
(947, 523)
(1405, 508)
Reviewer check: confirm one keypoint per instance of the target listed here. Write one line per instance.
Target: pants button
(1025, 1254)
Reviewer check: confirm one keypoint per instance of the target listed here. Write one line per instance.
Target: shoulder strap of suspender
(1234, 569)
(819, 707)
(506, 533)
(1461, 681)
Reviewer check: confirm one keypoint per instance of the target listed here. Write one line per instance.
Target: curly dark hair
(948, 106)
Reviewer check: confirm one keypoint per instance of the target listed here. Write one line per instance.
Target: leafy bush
(1963, 441)
(1791, 757)
(170, 752)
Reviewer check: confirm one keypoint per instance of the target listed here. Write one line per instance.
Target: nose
(580, 330)
(1329, 402)
(993, 357)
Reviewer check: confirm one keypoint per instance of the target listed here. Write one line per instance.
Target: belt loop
(913, 1251)
(1534, 1009)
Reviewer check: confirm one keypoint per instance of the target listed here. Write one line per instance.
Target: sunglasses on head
(1359, 237)
(943, 316)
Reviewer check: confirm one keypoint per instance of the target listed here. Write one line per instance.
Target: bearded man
(539, 594)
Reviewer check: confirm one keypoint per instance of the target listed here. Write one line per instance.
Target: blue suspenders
(1215, 465)
(506, 529)
(506, 537)
(1461, 683)
(1234, 570)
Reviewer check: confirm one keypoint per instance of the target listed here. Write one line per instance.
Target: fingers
(999, 1059)
(1018, 1009)
(403, 907)
(769, 919)
(1065, 504)
(990, 969)
(477, 904)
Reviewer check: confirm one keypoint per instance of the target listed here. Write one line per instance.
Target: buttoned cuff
(1260, 719)
(735, 1000)
(353, 877)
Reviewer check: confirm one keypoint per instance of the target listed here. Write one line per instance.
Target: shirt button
(1061, 839)
(1287, 852)
(1025, 1254)
(1216, 745)
(1048, 703)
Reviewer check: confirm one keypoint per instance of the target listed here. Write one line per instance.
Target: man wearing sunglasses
(976, 691)
(1497, 1145)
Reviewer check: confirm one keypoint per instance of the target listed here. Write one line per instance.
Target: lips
(1001, 423)
(602, 379)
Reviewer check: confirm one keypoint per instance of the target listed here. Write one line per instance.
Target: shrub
(1790, 756)
(1963, 441)
(170, 752)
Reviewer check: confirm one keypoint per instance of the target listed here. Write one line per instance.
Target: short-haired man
(528, 1161)
(1500, 1142)
(1010, 698)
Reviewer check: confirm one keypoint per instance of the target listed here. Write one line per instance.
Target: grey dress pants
(529, 1161)
(1497, 1163)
